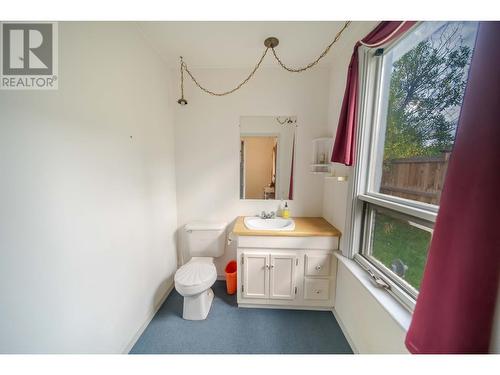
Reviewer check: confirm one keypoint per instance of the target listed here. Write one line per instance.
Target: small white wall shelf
(337, 178)
(321, 155)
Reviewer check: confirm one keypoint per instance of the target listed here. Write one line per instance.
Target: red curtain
(456, 304)
(345, 140)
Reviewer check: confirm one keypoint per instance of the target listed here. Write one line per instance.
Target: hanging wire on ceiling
(185, 67)
(270, 43)
(310, 65)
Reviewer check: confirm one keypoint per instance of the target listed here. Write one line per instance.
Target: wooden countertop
(304, 227)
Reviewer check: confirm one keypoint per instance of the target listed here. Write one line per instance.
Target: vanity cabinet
(286, 278)
(294, 269)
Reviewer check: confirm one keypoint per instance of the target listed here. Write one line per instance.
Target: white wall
(369, 327)
(88, 205)
(207, 141)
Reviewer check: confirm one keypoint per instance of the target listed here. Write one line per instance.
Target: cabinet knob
(318, 267)
(317, 291)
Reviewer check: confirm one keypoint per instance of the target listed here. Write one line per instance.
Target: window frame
(370, 142)
(366, 250)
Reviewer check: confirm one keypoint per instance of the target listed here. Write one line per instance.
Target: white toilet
(205, 241)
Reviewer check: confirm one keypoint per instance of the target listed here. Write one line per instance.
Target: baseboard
(344, 331)
(282, 307)
(148, 319)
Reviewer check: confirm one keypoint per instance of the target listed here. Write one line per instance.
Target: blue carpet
(232, 330)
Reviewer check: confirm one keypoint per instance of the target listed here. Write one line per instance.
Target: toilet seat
(195, 277)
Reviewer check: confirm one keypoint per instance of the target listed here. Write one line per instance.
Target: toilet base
(198, 306)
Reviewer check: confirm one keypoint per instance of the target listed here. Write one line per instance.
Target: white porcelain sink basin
(256, 223)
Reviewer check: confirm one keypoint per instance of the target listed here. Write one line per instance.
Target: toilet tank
(205, 239)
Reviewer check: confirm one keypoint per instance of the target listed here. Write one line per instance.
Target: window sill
(397, 312)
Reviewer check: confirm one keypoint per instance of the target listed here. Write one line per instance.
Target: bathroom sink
(257, 223)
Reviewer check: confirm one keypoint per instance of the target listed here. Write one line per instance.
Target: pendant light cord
(184, 68)
(323, 54)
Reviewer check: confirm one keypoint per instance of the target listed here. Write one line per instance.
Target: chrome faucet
(270, 215)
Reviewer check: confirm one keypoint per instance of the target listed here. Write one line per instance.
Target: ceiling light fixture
(287, 120)
(269, 43)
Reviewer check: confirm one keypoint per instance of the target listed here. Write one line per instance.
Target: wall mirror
(267, 147)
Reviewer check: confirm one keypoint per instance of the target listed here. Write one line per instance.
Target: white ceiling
(240, 44)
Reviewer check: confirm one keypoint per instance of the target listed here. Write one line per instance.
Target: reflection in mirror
(267, 146)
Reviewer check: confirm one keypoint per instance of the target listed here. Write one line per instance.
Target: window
(410, 99)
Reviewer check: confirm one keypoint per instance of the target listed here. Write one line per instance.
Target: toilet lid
(195, 273)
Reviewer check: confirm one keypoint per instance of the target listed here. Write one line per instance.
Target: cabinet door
(255, 275)
(282, 277)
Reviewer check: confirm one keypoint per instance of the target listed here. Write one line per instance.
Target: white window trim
(369, 99)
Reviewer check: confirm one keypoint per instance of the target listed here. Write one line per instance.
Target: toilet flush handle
(229, 239)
